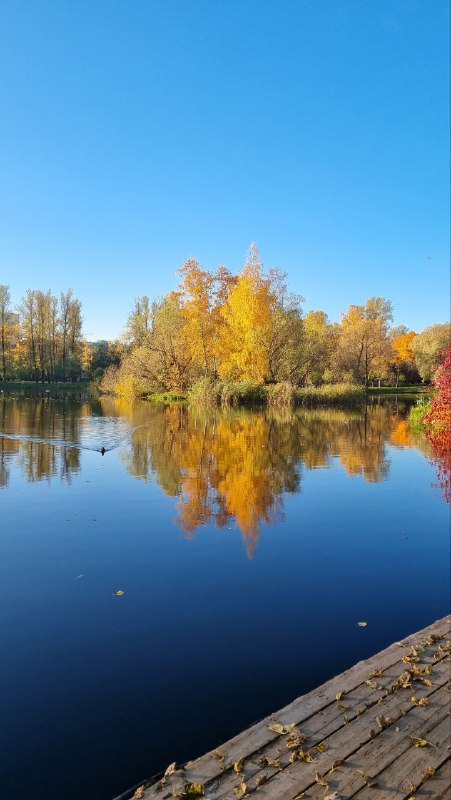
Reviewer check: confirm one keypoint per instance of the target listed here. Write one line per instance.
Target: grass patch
(333, 394)
(416, 389)
(167, 397)
(417, 414)
(209, 392)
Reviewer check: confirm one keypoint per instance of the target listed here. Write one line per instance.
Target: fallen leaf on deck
(383, 721)
(334, 796)
(369, 781)
(321, 748)
(295, 739)
(195, 789)
(342, 707)
(422, 702)
(371, 684)
(428, 773)
(138, 793)
(276, 727)
(240, 790)
(376, 673)
(170, 770)
(404, 680)
(338, 763)
(319, 779)
(218, 755)
(304, 755)
(362, 624)
(339, 695)
(261, 779)
(238, 765)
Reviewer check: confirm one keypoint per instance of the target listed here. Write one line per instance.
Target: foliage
(428, 348)
(417, 414)
(333, 394)
(281, 395)
(438, 421)
(210, 392)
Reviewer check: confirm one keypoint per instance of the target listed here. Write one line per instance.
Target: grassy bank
(415, 389)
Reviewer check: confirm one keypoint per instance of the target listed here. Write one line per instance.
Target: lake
(247, 546)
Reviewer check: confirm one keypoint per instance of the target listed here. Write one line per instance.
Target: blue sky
(135, 134)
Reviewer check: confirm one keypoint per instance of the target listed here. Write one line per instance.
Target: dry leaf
(305, 755)
(340, 695)
(299, 796)
(371, 684)
(338, 763)
(261, 779)
(376, 673)
(195, 789)
(369, 781)
(295, 740)
(383, 721)
(139, 793)
(319, 779)
(428, 773)
(334, 796)
(276, 727)
(219, 756)
(240, 790)
(170, 770)
(119, 593)
(293, 756)
(239, 765)
(342, 707)
(321, 748)
(404, 680)
(422, 702)
(345, 719)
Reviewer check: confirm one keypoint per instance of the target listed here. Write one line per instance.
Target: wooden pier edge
(378, 731)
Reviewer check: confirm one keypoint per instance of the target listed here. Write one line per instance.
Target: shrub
(281, 395)
(330, 394)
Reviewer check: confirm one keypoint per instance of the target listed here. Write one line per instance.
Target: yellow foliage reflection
(222, 467)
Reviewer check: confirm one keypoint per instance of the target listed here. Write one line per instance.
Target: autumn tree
(402, 358)
(245, 335)
(428, 348)
(139, 323)
(5, 299)
(363, 343)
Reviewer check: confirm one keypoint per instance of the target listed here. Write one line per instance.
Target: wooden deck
(379, 731)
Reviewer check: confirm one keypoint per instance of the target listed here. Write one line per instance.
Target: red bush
(438, 420)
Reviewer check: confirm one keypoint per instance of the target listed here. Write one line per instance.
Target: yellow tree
(245, 335)
(363, 341)
(402, 352)
(196, 298)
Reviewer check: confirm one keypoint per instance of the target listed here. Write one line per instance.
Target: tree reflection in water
(221, 466)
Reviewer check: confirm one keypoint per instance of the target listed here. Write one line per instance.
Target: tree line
(41, 339)
(251, 328)
(245, 328)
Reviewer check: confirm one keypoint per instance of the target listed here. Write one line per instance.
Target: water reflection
(221, 466)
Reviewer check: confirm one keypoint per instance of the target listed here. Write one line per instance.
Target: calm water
(247, 545)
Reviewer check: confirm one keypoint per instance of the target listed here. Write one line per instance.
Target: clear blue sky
(137, 133)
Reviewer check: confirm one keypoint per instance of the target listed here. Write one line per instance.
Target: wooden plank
(402, 778)
(320, 719)
(438, 787)
(346, 741)
(254, 738)
(385, 749)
